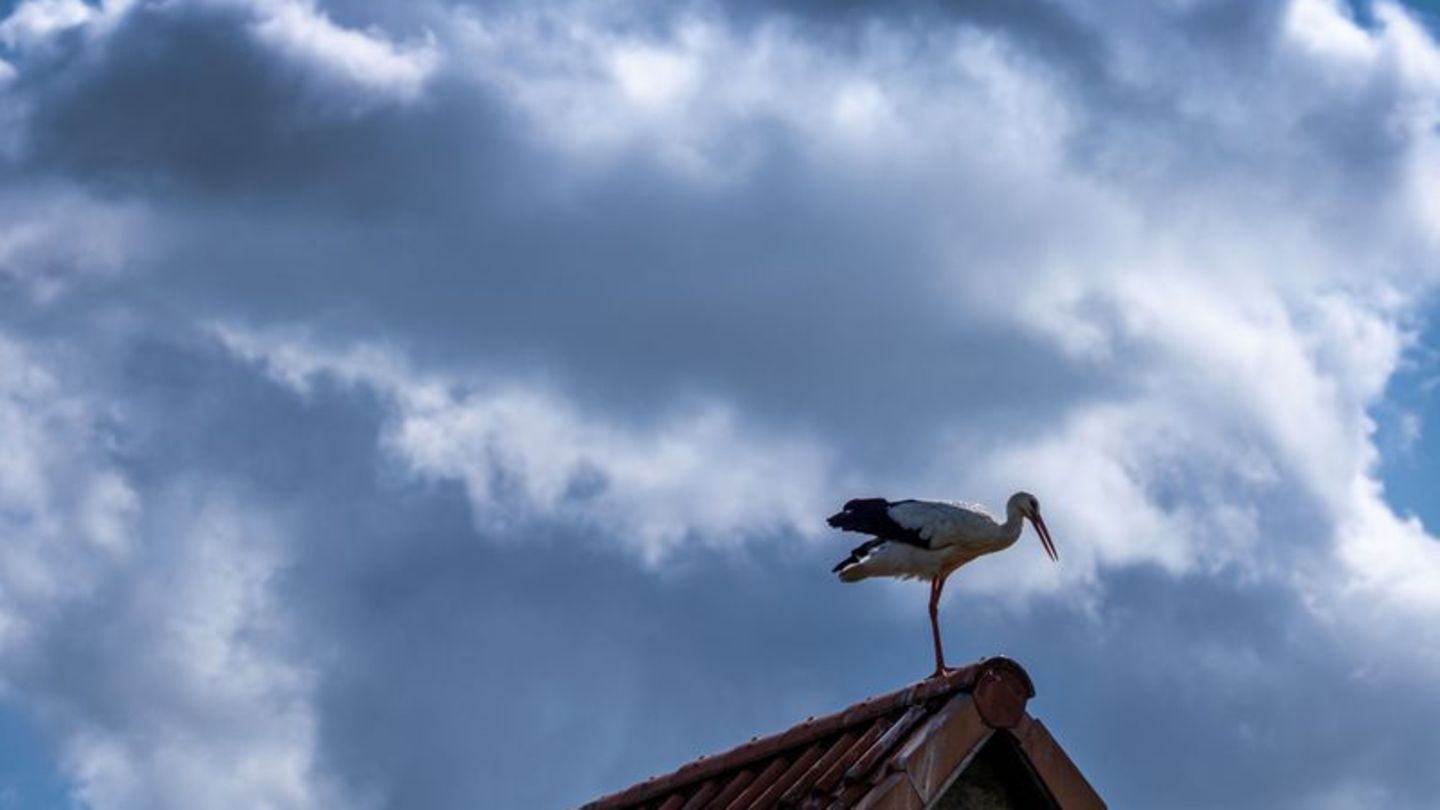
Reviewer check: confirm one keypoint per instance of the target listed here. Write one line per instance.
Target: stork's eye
(1034, 505)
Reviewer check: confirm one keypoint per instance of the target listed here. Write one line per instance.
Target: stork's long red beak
(1045, 537)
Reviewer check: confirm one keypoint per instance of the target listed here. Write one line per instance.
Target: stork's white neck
(1012, 527)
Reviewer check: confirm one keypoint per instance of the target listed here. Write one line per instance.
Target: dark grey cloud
(450, 663)
(792, 289)
(1046, 27)
(185, 108)
(453, 662)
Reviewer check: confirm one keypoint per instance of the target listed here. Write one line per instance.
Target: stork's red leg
(935, 585)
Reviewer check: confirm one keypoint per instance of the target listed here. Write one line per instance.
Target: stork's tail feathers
(852, 568)
(866, 516)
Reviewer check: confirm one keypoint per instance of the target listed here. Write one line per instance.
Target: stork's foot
(942, 671)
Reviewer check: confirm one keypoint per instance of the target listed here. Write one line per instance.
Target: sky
(438, 404)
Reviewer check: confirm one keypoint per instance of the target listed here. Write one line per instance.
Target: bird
(917, 539)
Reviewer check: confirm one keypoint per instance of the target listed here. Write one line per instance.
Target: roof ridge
(811, 729)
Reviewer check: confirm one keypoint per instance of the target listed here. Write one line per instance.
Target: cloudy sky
(437, 404)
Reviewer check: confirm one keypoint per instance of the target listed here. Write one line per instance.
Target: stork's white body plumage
(954, 533)
(915, 539)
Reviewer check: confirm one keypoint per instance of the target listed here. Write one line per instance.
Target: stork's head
(1029, 507)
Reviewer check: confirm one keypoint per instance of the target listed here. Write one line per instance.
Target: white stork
(913, 539)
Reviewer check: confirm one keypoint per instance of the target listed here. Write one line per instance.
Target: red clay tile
(806, 780)
(882, 746)
(737, 783)
(832, 775)
(771, 796)
(702, 796)
(767, 777)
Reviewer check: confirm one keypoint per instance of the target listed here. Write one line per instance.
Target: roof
(899, 751)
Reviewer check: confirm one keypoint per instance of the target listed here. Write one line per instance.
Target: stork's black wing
(872, 516)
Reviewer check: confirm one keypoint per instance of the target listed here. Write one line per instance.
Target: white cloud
(33, 22)
(64, 512)
(1250, 347)
(1326, 28)
(34, 25)
(345, 60)
(651, 77)
(51, 240)
(525, 454)
(140, 628)
(213, 716)
(702, 97)
(349, 69)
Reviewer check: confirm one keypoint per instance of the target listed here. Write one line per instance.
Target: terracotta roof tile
(756, 788)
(701, 797)
(771, 797)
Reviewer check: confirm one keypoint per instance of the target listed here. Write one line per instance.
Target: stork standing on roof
(928, 540)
